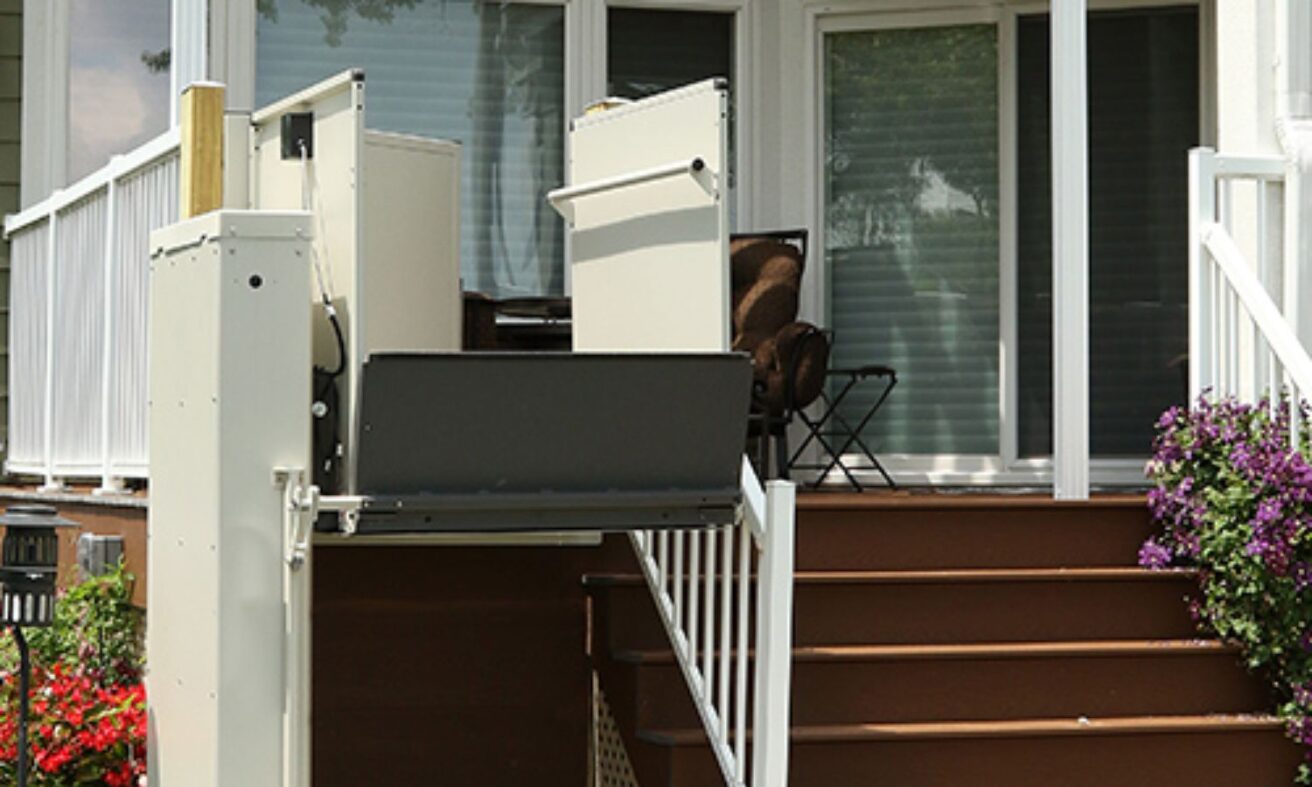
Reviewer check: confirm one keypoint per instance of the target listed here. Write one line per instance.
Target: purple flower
(1303, 694)
(1269, 511)
(1153, 555)
(1302, 573)
(1300, 729)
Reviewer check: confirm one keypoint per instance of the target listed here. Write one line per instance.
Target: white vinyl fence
(78, 317)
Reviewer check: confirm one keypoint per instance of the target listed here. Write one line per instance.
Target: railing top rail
(1281, 338)
(118, 167)
(753, 501)
(1230, 167)
(316, 92)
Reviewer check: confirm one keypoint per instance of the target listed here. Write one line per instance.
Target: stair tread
(1115, 573)
(832, 501)
(1007, 728)
(973, 650)
(993, 575)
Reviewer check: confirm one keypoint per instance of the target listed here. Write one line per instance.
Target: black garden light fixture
(29, 560)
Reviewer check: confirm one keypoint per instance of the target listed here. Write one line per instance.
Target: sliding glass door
(936, 228)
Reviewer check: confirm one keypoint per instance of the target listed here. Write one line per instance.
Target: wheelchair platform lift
(441, 443)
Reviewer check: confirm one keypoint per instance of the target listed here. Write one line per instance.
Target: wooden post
(200, 189)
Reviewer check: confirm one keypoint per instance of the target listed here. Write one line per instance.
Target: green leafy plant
(1233, 493)
(96, 628)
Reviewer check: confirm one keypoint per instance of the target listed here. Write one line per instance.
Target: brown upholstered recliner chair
(789, 358)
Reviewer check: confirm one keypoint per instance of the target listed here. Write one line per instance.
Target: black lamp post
(29, 559)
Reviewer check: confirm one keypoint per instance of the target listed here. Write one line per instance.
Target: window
(118, 79)
(648, 51)
(911, 228)
(489, 75)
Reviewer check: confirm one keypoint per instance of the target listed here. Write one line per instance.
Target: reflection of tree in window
(911, 228)
(894, 91)
(335, 13)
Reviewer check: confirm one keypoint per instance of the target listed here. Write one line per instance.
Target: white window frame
(825, 18)
(46, 39)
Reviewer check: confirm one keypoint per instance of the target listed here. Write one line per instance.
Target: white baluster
(694, 596)
(678, 579)
(663, 560)
(745, 547)
(708, 632)
(1202, 211)
(726, 622)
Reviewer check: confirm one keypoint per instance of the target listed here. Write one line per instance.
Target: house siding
(11, 83)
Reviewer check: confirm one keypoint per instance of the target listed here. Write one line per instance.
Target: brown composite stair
(962, 640)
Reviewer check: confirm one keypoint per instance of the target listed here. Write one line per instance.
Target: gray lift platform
(486, 442)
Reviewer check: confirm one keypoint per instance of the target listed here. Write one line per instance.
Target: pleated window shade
(489, 75)
(1143, 118)
(911, 229)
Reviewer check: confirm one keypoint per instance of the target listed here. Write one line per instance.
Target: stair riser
(854, 540)
(970, 689)
(940, 612)
(1251, 759)
(1013, 611)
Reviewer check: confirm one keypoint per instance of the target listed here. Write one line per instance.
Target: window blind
(489, 75)
(911, 229)
(1143, 118)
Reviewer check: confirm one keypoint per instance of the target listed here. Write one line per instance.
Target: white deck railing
(1240, 340)
(78, 319)
(702, 583)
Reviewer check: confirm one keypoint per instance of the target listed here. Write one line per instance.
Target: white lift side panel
(650, 261)
(229, 391)
(411, 259)
(387, 230)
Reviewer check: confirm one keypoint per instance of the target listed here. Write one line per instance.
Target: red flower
(80, 731)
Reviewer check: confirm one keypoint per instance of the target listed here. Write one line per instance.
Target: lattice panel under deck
(611, 765)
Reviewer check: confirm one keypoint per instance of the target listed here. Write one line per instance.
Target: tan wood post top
(201, 176)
